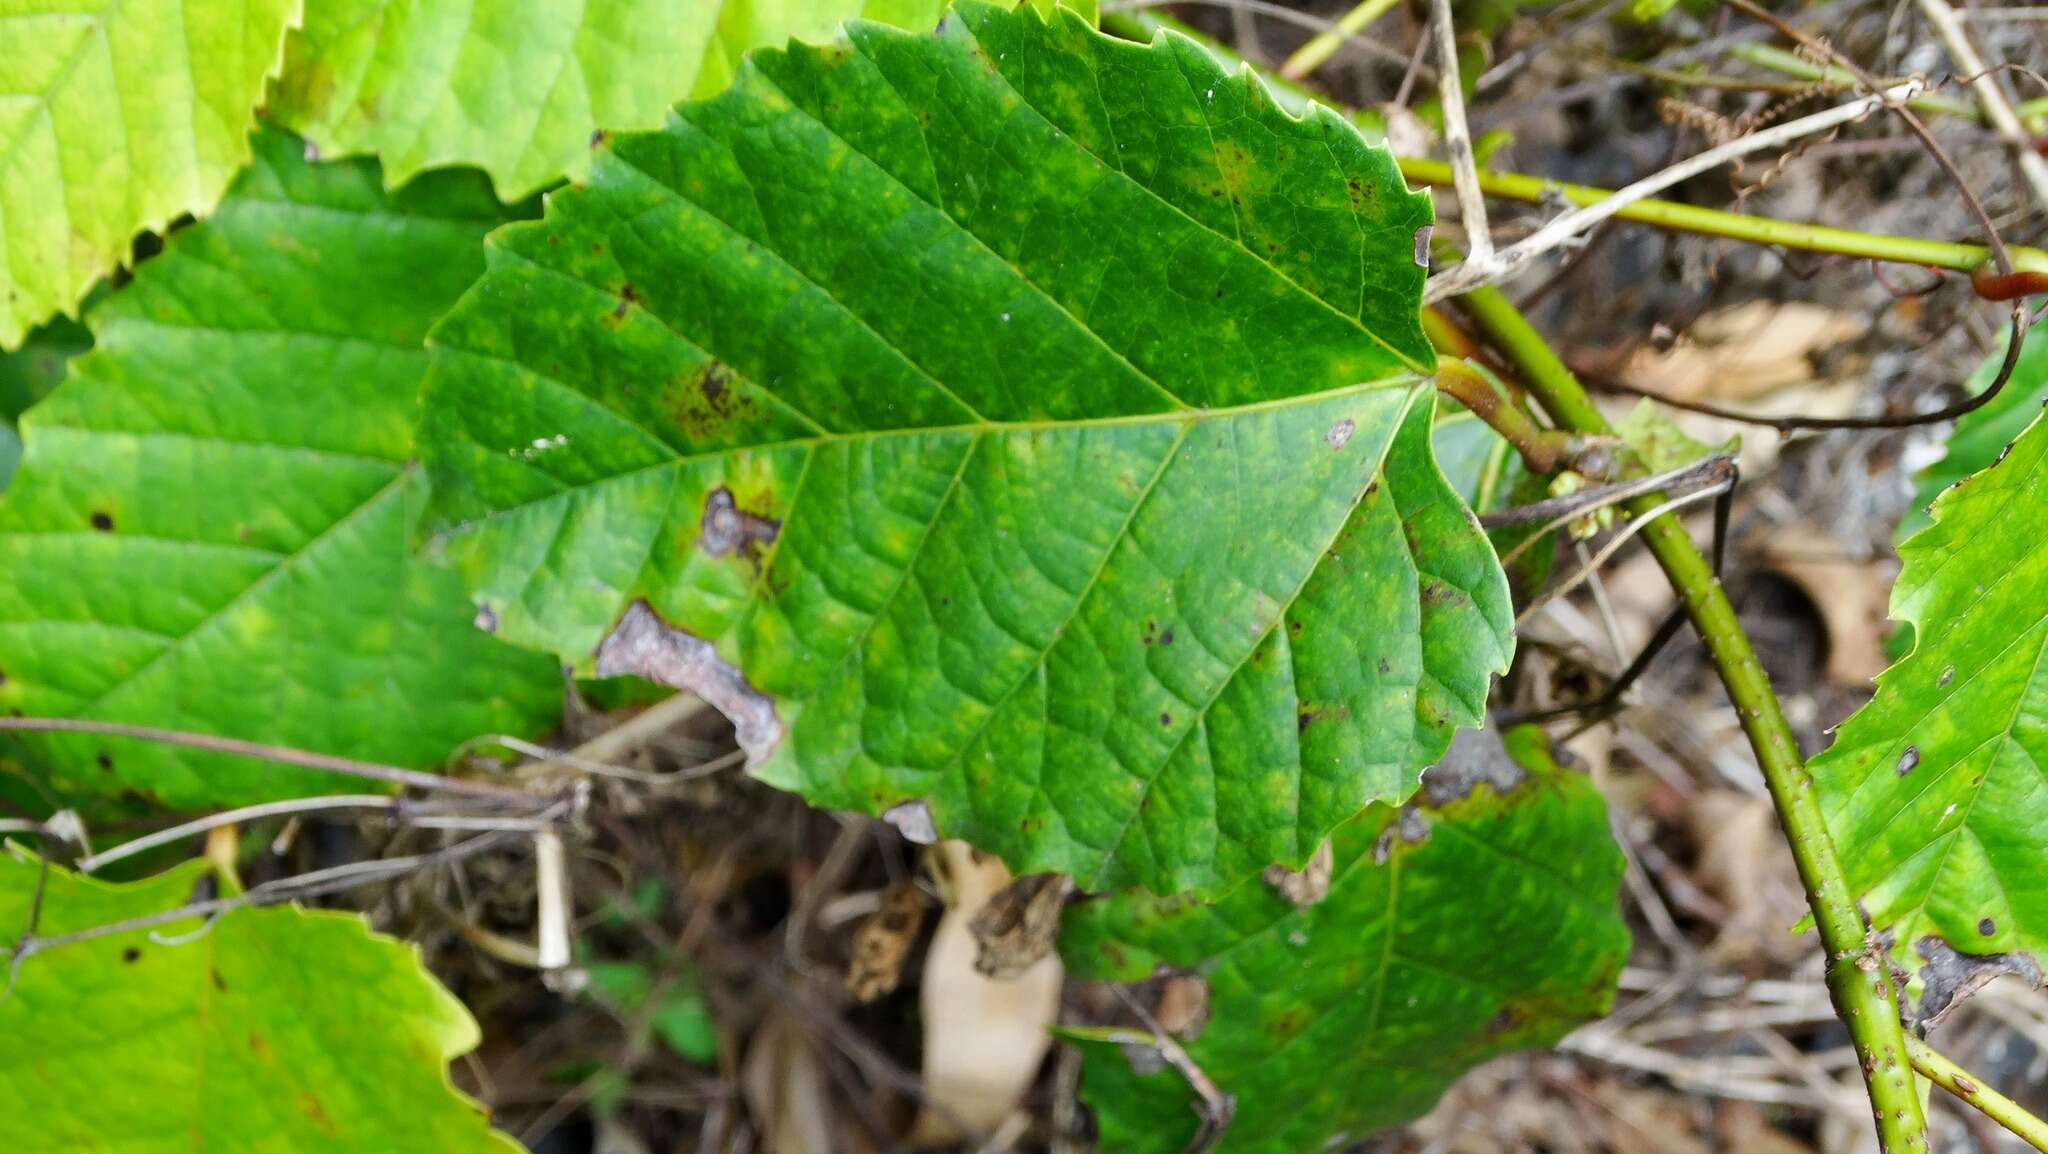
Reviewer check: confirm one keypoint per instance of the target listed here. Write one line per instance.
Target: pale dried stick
(1458, 138)
(1984, 83)
(1506, 263)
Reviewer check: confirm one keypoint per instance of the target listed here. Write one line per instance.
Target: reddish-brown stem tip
(1993, 285)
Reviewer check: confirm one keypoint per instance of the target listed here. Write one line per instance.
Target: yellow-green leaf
(117, 116)
(271, 1031)
(519, 88)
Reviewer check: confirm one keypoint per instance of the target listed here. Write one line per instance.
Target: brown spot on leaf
(704, 402)
(1310, 714)
(628, 297)
(1439, 592)
(104, 522)
(1339, 434)
(315, 1112)
(1114, 953)
(1908, 760)
(131, 955)
(726, 528)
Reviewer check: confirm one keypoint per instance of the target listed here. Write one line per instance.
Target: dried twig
(1622, 538)
(1218, 1107)
(162, 837)
(1709, 1076)
(1555, 511)
(1510, 261)
(1458, 138)
(281, 755)
(307, 885)
(1984, 83)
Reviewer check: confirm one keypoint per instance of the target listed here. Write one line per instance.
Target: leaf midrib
(1189, 416)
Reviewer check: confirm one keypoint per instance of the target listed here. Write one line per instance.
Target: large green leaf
(276, 1031)
(210, 528)
(1032, 418)
(1478, 921)
(1936, 790)
(518, 88)
(116, 117)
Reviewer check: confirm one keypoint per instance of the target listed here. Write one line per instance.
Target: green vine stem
(1310, 56)
(1735, 226)
(1543, 450)
(1992, 1104)
(1858, 976)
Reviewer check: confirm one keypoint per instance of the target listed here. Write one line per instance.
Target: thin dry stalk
(1984, 84)
(1511, 261)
